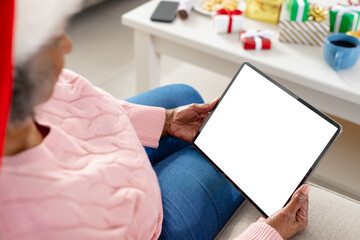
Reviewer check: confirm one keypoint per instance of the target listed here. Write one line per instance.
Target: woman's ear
(66, 44)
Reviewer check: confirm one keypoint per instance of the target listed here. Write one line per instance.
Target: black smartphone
(165, 11)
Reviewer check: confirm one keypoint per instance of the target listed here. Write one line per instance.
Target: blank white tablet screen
(264, 139)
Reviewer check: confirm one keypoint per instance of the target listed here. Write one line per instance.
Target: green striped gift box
(306, 33)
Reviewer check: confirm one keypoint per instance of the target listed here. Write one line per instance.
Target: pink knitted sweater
(90, 178)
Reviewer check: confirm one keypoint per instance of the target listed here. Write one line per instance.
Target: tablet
(264, 139)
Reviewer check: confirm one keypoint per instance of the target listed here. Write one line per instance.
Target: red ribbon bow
(230, 13)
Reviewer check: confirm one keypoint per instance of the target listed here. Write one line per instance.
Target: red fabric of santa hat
(6, 80)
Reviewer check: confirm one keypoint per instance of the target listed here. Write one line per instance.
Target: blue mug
(341, 50)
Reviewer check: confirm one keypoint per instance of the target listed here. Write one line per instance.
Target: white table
(300, 68)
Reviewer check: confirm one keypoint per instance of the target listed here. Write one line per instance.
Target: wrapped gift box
(344, 19)
(228, 21)
(264, 10)
(306, 33)
(298, 10)
(256, 40)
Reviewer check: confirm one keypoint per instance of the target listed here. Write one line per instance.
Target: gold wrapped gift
(264, 10)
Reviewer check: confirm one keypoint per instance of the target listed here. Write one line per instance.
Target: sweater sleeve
(259, 231)
(147, 121)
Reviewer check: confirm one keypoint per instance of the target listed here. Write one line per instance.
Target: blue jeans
(197, 200)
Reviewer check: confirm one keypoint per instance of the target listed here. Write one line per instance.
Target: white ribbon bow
(341, 11)
(253, 33)
(257, 35)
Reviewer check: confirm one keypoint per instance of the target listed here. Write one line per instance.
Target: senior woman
(75, 166)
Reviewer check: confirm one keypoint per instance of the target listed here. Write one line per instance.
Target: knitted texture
(259, 231)
(90, 178)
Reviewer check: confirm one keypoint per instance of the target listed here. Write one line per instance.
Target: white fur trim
(37, 21)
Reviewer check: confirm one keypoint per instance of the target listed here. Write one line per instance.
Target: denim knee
(169, 96)
(185, 94)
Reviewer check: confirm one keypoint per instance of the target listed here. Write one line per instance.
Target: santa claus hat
(24, 31)
(37, 21)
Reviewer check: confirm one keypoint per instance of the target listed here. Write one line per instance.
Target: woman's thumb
(298, 198)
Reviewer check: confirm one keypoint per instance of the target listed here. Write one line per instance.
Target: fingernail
(306, 189)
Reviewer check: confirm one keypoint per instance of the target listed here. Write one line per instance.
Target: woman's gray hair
(36, 22)
(33, 82)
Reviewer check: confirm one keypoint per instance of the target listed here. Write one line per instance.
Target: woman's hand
(184, 122)
(293, 217)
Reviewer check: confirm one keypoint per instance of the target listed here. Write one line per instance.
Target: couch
(331, 217)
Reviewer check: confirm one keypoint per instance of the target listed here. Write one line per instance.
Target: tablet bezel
(314, 165)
